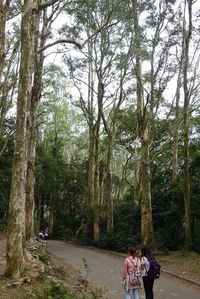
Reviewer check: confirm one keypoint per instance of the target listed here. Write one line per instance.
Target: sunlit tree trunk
(16, 224)
(187, 35)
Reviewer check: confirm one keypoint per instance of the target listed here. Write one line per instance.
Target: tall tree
(4, 5)
(16, 225)
(143, 133)
(40, 41)
(187, 38)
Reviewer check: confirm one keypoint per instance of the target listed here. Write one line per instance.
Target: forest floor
(54, 280)
(184, 266)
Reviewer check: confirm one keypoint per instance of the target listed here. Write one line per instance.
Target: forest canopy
(100, 123)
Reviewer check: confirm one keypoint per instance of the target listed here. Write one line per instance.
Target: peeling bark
(16, 225)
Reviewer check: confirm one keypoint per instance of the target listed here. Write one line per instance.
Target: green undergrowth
(54, 282)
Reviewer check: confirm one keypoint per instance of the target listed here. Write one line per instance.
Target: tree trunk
(51, 218)
(176, 127)
(96, 174)
(16, 225)
(96, 186)
(108, 183)
(143, 133)
(3, 13)
(91, 160)
(32, 126)
(176, 135)
(146, 210)
(5, 88)
(187, 34)
(91, 168)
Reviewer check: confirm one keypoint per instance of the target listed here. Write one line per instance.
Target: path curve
(106, 270)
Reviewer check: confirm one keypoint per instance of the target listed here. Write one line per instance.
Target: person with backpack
(132, 274)
(150, 271)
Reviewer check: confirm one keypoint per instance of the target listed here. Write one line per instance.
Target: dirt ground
(186, 267)
(59, 271)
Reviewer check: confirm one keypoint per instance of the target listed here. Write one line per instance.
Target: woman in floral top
(131, 265)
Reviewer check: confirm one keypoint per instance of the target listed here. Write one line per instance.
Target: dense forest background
(100, 123)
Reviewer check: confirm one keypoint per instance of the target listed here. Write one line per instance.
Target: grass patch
(43, 254)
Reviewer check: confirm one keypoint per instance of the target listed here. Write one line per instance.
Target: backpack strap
(133, 262)
(134, 266)
(147, 257)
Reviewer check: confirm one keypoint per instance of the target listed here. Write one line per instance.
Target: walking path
(106, 269)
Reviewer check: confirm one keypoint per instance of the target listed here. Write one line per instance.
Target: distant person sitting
(41, 235)
(46, 234)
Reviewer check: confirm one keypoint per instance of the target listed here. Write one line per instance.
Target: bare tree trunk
(51, 218)
(91, 161)
(187, 33)
(32, 126)
(108, 183)
(143, 133)
(91, 168)
(146, 210)
(3, 13)
(96, 174)
(16, 225)
(5, 88)
(176, 135)
(176, 127)
(96, 204)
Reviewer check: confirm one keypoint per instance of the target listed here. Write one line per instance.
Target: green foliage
(126, 227)
(97, 293)
(82, 281)
(54, 291)
(3, 225)
(5, 177)
(43, 254)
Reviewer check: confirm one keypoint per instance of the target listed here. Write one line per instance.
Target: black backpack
(154, 269)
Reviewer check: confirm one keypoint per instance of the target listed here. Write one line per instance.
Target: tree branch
(61, 41)
(47, 4)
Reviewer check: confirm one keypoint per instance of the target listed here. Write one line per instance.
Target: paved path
(106, 270)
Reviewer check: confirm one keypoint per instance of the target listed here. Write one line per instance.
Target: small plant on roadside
(43, 254)
(82, 284)
(87, 270)
(82, 281)
(97, 293)
(61, 271)
(54, 290)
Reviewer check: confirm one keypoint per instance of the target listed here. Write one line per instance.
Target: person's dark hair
(146, 251)
(132, 250)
